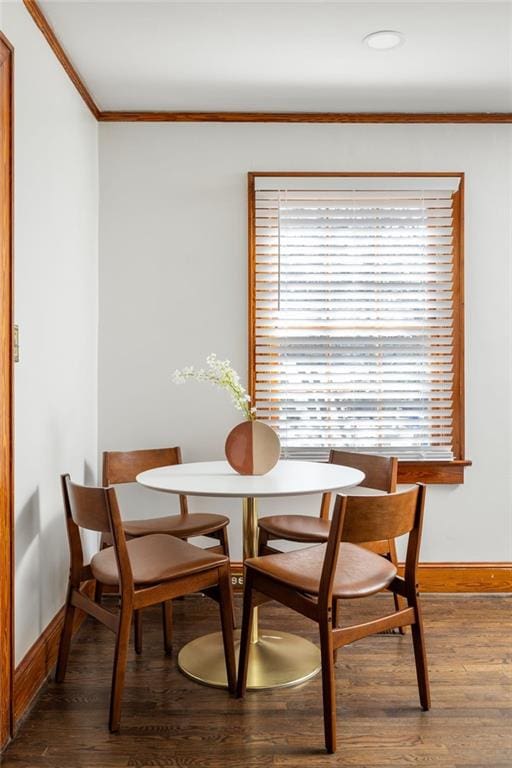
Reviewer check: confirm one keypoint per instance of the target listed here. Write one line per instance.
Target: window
(356, 327)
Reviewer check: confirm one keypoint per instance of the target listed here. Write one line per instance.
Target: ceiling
(288, 56)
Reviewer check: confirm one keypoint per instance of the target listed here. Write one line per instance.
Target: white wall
(173, 287)
(56, 297)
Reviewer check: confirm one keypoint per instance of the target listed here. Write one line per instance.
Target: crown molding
(42, 23)
(304, 117)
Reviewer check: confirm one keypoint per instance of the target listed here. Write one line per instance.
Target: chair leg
(420, 655)
(328, 685)
(335, 624)
(223, 538)
(120, 657)
(262, 541)
(247, 618)
(98, 592)
(65, 639)
(226, 617)
(167, 625)
(399, 601)
(137, 631)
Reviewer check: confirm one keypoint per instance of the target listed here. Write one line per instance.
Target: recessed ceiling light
(384, 40)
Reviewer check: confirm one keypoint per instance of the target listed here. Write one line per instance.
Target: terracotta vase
(252, 448)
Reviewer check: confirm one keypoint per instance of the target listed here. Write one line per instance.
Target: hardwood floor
(169, 721)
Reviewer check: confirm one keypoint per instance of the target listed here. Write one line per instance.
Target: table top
(217, 478)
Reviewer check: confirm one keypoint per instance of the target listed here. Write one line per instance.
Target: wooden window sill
(440, 472)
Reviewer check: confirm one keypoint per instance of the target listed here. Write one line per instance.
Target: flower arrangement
(220, 374)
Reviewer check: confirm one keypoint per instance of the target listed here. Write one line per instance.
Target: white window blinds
(353, 313)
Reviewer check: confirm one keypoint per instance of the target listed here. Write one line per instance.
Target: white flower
(220, 374)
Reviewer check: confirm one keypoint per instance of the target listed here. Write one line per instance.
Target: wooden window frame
(438, 472)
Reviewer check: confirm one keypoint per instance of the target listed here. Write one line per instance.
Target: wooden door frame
(6, 391)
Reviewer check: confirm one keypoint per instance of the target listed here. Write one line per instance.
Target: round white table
(276, 659)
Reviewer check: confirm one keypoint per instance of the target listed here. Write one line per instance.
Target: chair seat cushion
(155, 558)
(358, 573)
(304, 528)
(182, 526)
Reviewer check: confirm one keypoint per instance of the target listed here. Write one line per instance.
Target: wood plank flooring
(169, 721)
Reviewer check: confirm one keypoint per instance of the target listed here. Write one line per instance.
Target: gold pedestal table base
(276, 660)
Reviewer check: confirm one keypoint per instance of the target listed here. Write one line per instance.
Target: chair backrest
(124, 466)
(94, 509)
(86, 506)
(372, 518)
(380, 472)
(359, 519)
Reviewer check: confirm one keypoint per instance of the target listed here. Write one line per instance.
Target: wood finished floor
(169, 721)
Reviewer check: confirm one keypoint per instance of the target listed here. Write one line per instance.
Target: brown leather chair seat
(306, 528)
(155, 558)
(359, 573)
(197, 524)
(301, 528)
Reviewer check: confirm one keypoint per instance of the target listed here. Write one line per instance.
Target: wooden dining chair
(311, 580)
(146, 570)
(380, 475)
(121, 467)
